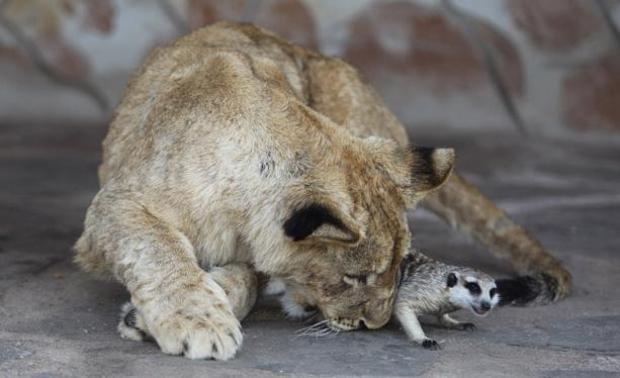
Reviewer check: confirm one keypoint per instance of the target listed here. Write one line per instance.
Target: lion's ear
(430, 168)
(316, 222)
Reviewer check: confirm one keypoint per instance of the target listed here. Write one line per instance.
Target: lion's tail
(542, 277)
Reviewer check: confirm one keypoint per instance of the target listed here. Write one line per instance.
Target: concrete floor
(56, 321)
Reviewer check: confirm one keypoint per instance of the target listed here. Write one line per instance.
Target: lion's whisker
(318, 329)
(314, 326)
(312, 329)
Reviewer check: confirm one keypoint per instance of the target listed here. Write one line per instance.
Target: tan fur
(219, 138)
(240, 284)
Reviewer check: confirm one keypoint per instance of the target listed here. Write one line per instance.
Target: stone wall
(549, 66)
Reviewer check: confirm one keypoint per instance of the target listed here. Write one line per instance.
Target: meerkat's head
(473, 290)
(347, 230)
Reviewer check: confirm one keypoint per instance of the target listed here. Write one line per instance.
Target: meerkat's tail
(542, 277)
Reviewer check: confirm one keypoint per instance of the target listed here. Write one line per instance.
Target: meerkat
(427, 287)
(430, 287)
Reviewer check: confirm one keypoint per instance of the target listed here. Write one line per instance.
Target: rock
(555, 24)
(422, 42)
(290, 19)
(591, 95)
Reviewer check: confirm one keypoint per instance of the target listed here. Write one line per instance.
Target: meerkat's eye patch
(317, 222)
(473, 288)
(452, 280)
(492, 292)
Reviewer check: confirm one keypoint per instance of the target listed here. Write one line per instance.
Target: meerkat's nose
(486, 306)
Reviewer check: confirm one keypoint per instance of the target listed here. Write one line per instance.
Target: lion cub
(233, 146)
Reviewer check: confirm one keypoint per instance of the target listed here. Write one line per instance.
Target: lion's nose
(374, 324)
(374, 321)
(377, 316)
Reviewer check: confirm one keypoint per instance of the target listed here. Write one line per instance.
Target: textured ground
(56, 321)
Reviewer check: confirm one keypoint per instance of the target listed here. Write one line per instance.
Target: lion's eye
(360, 279)
(355, 279)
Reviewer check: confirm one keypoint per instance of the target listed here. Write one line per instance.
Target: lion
(233, 152)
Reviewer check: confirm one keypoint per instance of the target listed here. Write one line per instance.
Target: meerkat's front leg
(449, 322)
(183, 307)
(409, 321)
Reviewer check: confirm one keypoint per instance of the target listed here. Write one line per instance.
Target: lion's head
(348, 227)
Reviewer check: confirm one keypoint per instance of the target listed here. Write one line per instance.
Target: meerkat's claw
(431, 344)
(466, 327)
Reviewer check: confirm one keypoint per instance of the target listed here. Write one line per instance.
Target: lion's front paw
(202, 327)
(200, 336)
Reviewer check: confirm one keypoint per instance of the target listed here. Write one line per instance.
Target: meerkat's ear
(452, 279)
(430, 168)
(316, 222)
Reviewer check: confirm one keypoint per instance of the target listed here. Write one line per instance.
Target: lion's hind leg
(131, 325)
(240, 284)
